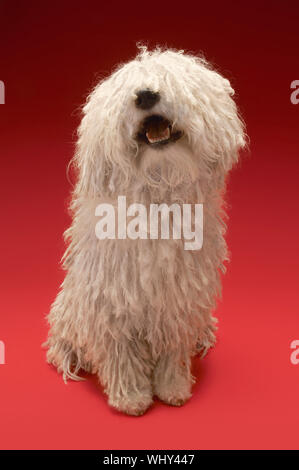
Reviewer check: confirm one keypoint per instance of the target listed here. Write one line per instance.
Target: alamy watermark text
(2, 352)
(295, 94)
(2, 92)
(185, 225)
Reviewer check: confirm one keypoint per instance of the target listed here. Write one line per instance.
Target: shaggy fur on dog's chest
(152, 289)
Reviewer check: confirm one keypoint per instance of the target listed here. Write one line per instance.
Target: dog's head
(163, 109)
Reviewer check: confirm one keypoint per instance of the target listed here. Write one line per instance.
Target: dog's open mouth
(157, 131)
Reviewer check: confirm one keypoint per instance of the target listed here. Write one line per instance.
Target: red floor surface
(247, 392)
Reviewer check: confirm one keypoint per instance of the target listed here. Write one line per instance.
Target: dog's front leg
(173, 379)
(126, 372)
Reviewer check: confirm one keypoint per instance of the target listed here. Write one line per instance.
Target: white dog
(162, 128)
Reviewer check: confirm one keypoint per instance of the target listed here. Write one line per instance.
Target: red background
(247, 393)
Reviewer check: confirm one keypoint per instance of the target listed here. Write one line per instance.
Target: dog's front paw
(134, 405)
(174, 392)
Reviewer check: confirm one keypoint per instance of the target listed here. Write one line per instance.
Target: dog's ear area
(224, 125)
(232, 137)
(99, 143)
(97, 159)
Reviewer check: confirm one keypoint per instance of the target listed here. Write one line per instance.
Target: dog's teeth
(167, 133)
(164, 136)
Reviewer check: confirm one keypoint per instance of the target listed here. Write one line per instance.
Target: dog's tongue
(157, 134)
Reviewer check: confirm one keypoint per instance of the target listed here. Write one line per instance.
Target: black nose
(146, 99)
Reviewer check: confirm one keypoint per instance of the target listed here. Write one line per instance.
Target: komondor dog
(161, 131)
